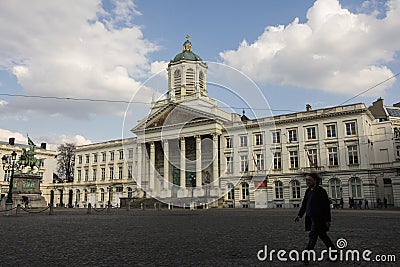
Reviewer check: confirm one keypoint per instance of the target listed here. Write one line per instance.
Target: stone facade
(189, 152)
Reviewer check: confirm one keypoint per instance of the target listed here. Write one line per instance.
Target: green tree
(66, 161)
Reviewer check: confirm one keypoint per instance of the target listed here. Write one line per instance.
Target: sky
(292, 53)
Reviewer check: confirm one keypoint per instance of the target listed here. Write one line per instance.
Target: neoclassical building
(190, 152)
(46, 170)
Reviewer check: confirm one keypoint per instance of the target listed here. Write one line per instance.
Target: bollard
(18, 210)
(142, 206)
(51, 212)
(89, 208)
(128, 206)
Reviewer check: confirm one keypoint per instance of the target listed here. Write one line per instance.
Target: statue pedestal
(26, 187)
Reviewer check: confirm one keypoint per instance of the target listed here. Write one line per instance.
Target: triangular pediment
(176, 114)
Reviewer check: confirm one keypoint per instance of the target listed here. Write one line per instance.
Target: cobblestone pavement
(71, 237)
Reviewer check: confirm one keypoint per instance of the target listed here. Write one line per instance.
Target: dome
(187, 53)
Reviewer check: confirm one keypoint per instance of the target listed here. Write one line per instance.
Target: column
(166, 164)
(139, 165)
(215, 155)
(198, 161)
(152, 164)
(183, 162)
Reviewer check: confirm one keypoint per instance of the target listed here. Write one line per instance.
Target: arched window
(129, 192)
(177, 79)
(102, 195)
(278, 190)
(202, 84)
(245, 191)
(78, 195)
(231, 191)
(189, 81)
(334, 188)
(355, 184)
(295, 184)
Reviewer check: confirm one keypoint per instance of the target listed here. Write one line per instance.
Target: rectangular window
(294, 159)
(111, 155)
(228, 142)
(104, 156)
(350, 128)
(120, 173)
(331, 131)
(258, 138)
(292, 135)
(121, 155)
(311, 133)
(87, 158)
(111, 173)
(7, 175)
(80, 159)
(119, 189)
(94, 174)
(333, 156)
(312, 155)
(79, 175)
(277, 161)
(103, 174)
(86, 175)
(276, 137)
(244, 163)
(130, 171)
(260, 161)
(93, 190)
(95, 158)
(229, 164)
(130, 153)
(243, 141)
(353, 154)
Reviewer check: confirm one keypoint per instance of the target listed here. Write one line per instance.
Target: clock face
(177, 73)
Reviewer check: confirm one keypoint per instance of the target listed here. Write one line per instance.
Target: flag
(30, 142)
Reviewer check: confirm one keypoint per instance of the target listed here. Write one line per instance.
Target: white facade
(46, 170)
(189, 152)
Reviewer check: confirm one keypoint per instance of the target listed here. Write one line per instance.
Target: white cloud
(334, 50)
(52, 141)
(72, 49)
(6, 134)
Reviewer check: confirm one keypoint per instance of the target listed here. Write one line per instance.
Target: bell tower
(186, 75)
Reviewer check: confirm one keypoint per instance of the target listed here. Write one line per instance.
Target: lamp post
(11, 166)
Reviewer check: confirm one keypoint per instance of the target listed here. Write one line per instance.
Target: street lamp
(13, 166)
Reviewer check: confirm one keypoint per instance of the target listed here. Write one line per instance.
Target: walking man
(318, 212)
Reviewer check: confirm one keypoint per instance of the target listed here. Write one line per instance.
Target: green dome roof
(187, 53)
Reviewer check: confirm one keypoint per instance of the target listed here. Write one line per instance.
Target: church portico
(175, 168)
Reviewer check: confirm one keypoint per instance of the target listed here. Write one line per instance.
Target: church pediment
(173, 115)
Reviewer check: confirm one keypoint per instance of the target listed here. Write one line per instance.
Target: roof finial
(187, 36)
(187, 46)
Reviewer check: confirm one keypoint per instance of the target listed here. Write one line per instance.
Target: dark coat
(320, 209)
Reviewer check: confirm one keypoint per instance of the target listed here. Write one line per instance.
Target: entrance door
(176, 179)
(70, 195)
(52, 197)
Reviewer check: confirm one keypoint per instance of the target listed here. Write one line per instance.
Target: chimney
(11, 141)
(308, 107)
(397, 105)
(43, 146)
(377, 109)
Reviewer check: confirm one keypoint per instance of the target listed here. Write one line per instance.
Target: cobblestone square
(71, 237)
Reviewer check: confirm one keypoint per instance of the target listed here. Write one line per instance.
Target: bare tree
(66, 161)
